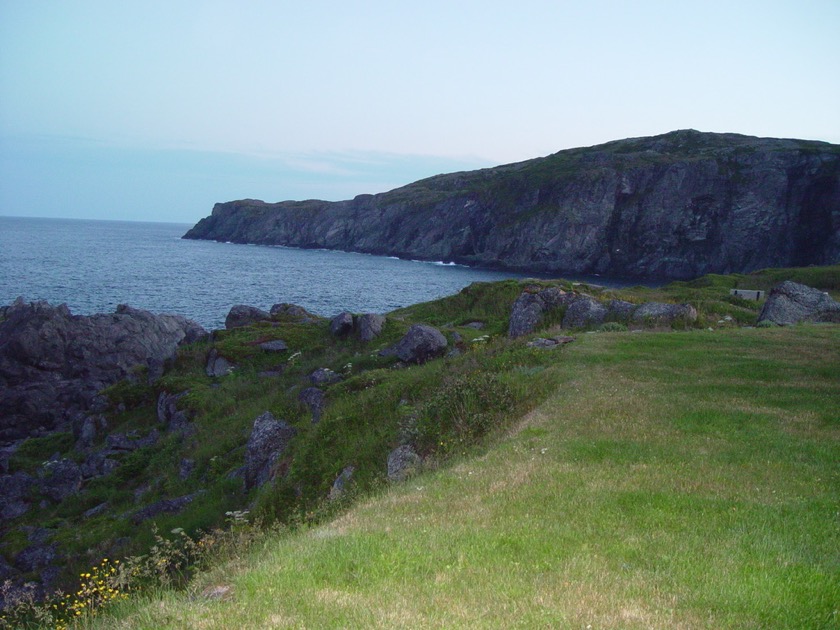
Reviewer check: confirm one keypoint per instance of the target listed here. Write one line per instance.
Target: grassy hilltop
(685, 478)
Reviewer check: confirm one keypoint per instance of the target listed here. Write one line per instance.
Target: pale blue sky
(155, 110)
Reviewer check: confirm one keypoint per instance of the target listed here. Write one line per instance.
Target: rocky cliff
(674, 206)
(53, 364)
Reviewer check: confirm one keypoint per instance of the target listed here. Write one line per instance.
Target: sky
(156, 110)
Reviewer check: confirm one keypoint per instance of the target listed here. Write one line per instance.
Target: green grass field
(670, 480)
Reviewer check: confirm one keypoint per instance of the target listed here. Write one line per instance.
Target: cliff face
(674, 206)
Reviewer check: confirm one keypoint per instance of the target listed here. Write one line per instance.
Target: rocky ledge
(678, 205)
(53, 364)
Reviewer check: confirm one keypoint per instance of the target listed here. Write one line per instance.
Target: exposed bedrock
(53, 363)
(673, 206)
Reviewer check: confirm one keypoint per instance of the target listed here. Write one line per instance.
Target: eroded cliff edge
(677, 205)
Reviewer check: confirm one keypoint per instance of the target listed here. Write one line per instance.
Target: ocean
(93, 266)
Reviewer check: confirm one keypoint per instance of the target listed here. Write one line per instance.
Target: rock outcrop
(53, 364)
(269, 439)
(791, 302)
(420, 344)
(677, 205)
(243, 315)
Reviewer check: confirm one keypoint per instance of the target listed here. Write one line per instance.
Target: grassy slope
(684, 479)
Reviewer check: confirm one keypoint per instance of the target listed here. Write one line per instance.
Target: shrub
(464, 409)
(613, 327)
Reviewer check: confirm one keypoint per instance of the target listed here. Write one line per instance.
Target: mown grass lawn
(674, 480)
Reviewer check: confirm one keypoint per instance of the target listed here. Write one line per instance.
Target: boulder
(402, 461)
(126, 442)
(584, 311)
(269, 438)
(315, 400)
(217, 365)
(243, 315)
(369, 326)
(60, 479)
(15, 495)
(293, 312)
(53, 364)
(36, 557)
(341, 483)
(342, 324)
(169, 415)
(277, 345)
(791, 302)
(165, 506)
(526, 314)
(420, 344)
(551, 342)
(620, 311)
(324, 376)
(659, 314)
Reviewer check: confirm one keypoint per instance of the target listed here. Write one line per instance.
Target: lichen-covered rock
(526, 314)
(584, 311)
(315, 400)
(217, 366)
(324, 376)
(420, 344)
(341, 483)
(791, 302)
(369, 326)
(620, 311)
(243, 315)
(342, 324)
(402, 461)
(276, 345)
(269, 438)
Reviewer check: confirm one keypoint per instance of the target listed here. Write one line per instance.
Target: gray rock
(475, 325)
(277, 345)
(551, 342)
(54, 364)
(315, 400)
(584, 311)
(791, 302)
(167, 406)
(243, 315)
(293, 312)
(341, 483)
(420, 344)
(15, 495)
(342, 324)
(369, 326)
(96, 510)
(324, 376)
(526, 314)
(620, 311)
(269, 438)
(217, 365)
(86, 430)
(659, 314)
(60, 479)
(185, 468)
(402, 462)
(126, 442)
(36, 557)
(165, 506)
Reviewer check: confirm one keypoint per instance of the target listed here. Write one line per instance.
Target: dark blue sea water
(95, 265)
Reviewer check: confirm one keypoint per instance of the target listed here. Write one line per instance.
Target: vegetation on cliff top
(679, 479)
